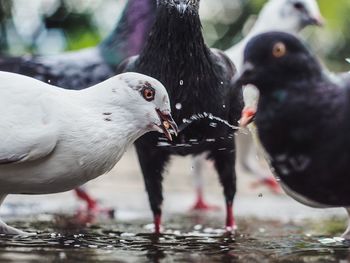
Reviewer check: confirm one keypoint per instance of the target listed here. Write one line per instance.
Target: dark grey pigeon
(303, 119)
(199, 82)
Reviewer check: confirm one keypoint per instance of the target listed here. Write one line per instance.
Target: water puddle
(185, 239)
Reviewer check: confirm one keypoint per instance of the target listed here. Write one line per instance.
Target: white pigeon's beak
(314, 16)
(167, 123)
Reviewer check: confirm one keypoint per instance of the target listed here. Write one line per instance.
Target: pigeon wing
(27, 131)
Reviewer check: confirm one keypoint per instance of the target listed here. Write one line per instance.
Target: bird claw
(201, 205)
(97, 211)
(270, 183)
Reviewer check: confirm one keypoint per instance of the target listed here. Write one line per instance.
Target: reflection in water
(194, 241)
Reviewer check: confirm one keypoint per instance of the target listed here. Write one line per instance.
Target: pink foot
(270, 183)
(92, 208)
(201, 205)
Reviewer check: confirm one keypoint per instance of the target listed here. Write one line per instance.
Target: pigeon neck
(113, 122)
(274, 17)
(128, 38)
(176, 36)
(176, 53)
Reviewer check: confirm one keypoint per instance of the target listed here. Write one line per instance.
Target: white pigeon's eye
(299, 6)
(279, 50)
(148, 93)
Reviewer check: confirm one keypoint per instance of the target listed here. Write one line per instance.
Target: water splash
(210, 116)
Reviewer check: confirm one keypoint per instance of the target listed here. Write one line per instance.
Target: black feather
(302, 118)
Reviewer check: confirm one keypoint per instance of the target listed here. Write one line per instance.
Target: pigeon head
(290, 15)
(274, 58)
(182, 6)
(149, 102)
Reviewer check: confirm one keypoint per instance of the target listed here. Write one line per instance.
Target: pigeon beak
(182, 7)
(247, 116)
(317, 21)
(246, 74)
(167, 123)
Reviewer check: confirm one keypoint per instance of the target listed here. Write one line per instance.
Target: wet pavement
(271, 228)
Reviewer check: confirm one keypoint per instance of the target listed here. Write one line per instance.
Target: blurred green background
(54, 26)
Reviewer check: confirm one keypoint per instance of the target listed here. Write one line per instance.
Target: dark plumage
(302, 119)
(81, 69)
(198, 80)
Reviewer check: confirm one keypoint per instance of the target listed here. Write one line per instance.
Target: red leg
(157, 222)
(83, 195)
(230, 220)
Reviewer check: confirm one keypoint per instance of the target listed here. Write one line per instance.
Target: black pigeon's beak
(247, 116)
(182, 7)
(246, 75)
(167, 123)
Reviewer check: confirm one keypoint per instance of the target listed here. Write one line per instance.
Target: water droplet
(224, 106)
(127, 235)
(49, 81)
(198, 227)
(339, 239)
(181, 82)
(262, 230)
(62, 255)
(222, 83)
(92, 246)
(178, 106)
(177, 232)
(327, 241)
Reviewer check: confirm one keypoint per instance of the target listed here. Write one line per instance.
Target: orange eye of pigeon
(148, 94)
(279, 50)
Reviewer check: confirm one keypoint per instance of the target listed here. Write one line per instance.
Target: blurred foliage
(75, 24)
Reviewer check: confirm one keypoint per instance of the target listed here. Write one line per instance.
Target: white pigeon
(53, 139)
(289, 16)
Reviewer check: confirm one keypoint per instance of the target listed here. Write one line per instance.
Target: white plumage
(53, 140)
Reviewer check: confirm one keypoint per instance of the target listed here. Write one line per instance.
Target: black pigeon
(81, 69)
(85, 68)
(198, 81)
(302, 119)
